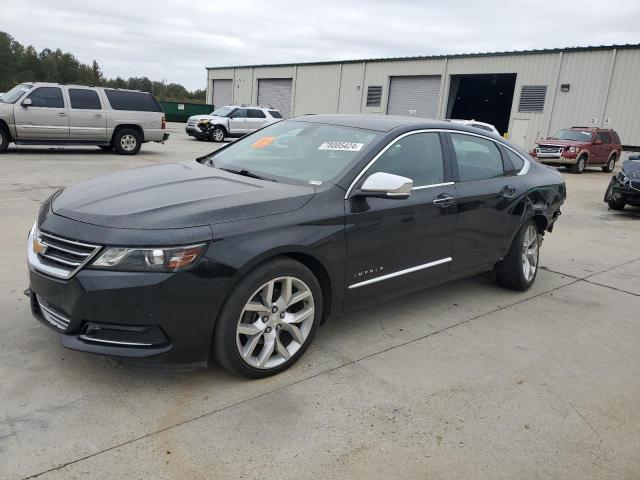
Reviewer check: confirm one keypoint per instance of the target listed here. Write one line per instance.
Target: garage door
(276, 93)
(417, 96)
(222, 93)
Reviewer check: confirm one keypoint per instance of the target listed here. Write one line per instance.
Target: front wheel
(269, 319)
(580, 164)
(217, 135)
(518, 270)
(614, 201)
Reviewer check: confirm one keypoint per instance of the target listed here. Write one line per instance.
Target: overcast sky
(175, 40)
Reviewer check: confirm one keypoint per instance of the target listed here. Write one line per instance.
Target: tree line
(24, 64)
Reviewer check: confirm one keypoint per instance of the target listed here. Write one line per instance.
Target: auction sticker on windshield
(342, 146)
(263, 142)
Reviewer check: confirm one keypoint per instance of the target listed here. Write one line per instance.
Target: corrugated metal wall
(604, 84)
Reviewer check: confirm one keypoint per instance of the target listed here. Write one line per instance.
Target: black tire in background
(580, 165)
(224, 346)
(127, 141)
(217, 134)
(4, 139)
(509, 271)
(611, 164)
(614, 203)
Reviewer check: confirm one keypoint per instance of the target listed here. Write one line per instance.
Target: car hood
(176, 195)
(211, 118)
(632, 168)
(561, 143)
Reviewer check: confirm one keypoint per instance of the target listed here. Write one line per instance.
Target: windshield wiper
(247, 173)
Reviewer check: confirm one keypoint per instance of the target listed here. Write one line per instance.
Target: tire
(580, 165)
(217, 135)
(510, 271)
(4, 139)
(127, 141)
(611, 164)
(244, 343)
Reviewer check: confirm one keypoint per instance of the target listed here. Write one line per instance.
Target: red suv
(580, 147)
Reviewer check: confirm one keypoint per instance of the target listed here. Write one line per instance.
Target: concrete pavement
(461, 381)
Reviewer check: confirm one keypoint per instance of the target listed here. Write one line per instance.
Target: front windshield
(222, 112)
(15, 93)
(296, 150)
(576, 135)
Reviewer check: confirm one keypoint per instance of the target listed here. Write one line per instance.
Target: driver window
(47, 97)
(239, 113)
(417, 156)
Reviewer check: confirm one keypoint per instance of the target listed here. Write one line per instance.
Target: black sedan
(624, 188)
(239, 257)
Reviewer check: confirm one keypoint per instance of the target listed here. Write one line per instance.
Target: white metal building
(528, 94)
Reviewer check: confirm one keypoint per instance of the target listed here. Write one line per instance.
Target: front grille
(53, 315)
(549, 150)
(62, 257)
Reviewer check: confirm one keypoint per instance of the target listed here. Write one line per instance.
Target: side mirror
(27, 102)
(598, 142)
(386, 185)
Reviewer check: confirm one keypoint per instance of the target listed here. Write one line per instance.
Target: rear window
(84, 99)
(275, 114)
(616, 138)
(136, 101)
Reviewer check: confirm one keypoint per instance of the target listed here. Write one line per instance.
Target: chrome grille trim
(61, 257)
(56, 319)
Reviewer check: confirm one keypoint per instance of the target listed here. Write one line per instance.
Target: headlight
(572, 149)
(172, 259)
(202, 122)
(622, 177)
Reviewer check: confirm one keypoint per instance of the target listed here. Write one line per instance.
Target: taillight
(164, 123)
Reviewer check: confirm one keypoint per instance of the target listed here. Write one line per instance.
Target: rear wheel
(611, 164)
(4, 139)
(127, 141)
(580, 164)
(519, 268)
(269, 319)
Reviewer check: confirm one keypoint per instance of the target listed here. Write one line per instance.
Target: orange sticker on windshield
(263, 142)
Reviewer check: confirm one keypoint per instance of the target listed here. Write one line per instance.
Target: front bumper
(623, 192)
(161, 318)
(556, 160)
(195, 132)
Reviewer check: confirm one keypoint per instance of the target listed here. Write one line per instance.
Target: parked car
(54, 114)
(580, 147)
(231, 121)
(241, 257)
(487, 127)
(624, 188)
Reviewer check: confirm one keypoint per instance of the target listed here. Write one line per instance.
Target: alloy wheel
(582, 164)
(218, 135)
(275, 322)
(611, 164)
(530, 252)
(128, 142)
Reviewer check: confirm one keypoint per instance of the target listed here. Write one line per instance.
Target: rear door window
(134, 101)
(47, 97)
(82, 99)
(477, 158)
(254, 113)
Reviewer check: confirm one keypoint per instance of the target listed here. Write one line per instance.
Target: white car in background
(487, 127)
(231, 121)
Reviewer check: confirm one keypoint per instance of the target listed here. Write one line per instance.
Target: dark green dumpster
(180, 112)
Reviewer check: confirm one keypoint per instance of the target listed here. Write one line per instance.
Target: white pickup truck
(231, 121)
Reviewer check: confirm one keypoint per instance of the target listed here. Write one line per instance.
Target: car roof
(73, 85)
(251, 106)
(380, 123)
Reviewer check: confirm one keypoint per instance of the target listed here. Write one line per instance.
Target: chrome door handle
(62, 114)
(97, 115)
(444, 200)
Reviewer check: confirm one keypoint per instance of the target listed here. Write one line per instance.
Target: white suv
(231, 121)
(487, 127)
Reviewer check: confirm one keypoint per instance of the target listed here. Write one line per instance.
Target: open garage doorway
(486, 98)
